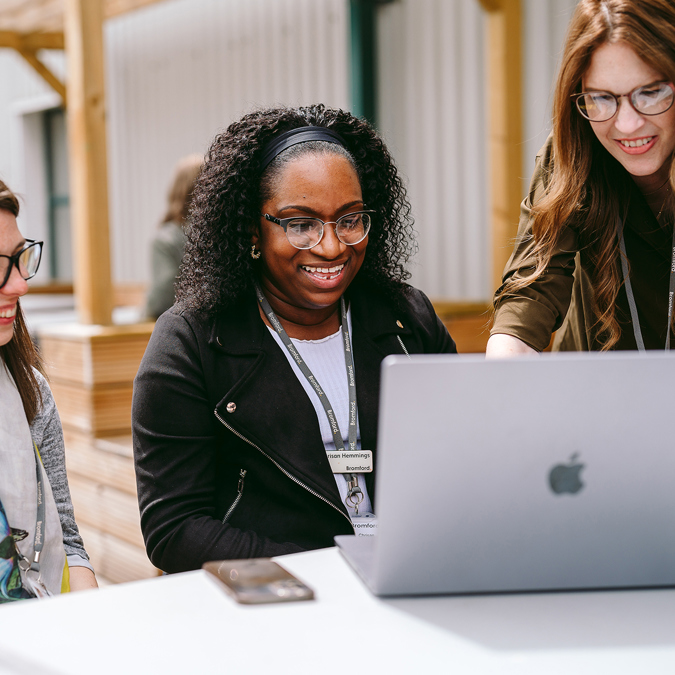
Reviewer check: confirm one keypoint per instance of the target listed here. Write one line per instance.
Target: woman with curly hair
(595, 245)
(255, 407)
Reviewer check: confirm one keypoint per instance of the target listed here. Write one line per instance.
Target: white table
(185, 623)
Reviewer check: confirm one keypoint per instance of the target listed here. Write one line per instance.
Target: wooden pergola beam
(31, 41)
(88, 159)
(505, 125)
(27, 45)
(491, 5)
(44, 72)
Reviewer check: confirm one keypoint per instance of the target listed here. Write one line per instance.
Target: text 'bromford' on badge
(350, 461)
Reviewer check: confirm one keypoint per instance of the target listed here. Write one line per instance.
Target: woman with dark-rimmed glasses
(595, 253)
(41, 551)
(255, 406)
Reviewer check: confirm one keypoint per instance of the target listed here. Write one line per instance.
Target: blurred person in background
(595, 253)
(37, 536)
(168, 244)
(292, 291)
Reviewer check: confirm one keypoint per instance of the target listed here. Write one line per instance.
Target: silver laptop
(547, 473)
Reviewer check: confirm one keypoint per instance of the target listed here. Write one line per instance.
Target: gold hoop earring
(255, 254)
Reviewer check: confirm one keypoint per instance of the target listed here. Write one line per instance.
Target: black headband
(301, 135)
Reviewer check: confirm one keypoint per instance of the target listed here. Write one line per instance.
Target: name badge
(365, 525)
(351, 461)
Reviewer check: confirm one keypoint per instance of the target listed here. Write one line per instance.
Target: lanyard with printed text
(34, 566)
(355, 495)
(631, 297)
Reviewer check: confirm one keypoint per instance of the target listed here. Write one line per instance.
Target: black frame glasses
(339, 229)
(27, 261)
(639, 98)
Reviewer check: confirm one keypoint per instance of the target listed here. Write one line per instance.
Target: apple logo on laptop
(565, 477)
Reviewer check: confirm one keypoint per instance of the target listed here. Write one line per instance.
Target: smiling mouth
(327, 273)
(8, 313)
(637, 143)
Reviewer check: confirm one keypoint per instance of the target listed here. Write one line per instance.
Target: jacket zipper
(293, 478)
(403, 346)
(240, 492)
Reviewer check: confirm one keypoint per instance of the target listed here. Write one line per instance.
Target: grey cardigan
(48, 436)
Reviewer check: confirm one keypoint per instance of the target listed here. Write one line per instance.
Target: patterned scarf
(10, 575)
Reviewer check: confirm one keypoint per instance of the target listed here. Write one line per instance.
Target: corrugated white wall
(545, 27)
(182, 70)
(432, 114)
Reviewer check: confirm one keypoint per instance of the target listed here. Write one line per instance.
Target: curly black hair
(218, 270)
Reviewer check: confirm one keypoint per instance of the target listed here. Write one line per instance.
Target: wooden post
(88, 159)
(505, 124)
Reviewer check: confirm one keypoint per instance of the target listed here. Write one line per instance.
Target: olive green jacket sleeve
(168, 248)
(536, 311)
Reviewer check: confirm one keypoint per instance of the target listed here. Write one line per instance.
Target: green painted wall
(363, 51)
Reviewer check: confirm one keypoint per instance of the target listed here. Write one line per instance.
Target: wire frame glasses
(600, 106)
(304, 233)
(27, 261)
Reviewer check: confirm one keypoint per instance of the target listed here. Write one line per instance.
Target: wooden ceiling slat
(46, 16)
(31, 16)
(115, 7)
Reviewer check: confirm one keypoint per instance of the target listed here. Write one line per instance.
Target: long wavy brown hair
(19, 354)
(585, 184)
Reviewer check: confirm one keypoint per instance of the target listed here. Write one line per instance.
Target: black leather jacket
(224, 431)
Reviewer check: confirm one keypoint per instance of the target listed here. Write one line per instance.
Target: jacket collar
(372, 310)
(240, 329)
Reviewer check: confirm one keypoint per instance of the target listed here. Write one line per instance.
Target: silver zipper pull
(240, 485)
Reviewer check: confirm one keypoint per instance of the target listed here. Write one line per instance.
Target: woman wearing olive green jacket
(168, 245)
(595, 243)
